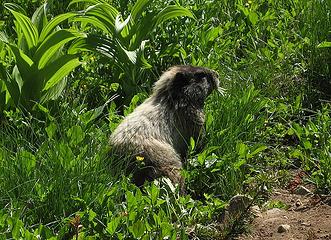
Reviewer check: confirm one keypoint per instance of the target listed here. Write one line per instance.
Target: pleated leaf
(53, 44)
(86, 1)
(39, 18)
(15, 7)
(138, 8)
(172, 12)
(105, 13)
(29, 30)
(91, 20)
(11, 85)
(48, 29)
(54, 92)
(23, 62)
(92, 43)
(57, 70)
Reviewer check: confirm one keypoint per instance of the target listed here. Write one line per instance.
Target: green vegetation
(70, 71)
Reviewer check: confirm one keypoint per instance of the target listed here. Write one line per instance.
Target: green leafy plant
(124, 40)
(313, 147)
(41, 62)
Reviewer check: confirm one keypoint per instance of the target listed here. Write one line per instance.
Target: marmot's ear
(200, 75)
(181, 79)
(177, 88)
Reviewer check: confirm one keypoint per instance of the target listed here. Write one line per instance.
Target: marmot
(158, 132)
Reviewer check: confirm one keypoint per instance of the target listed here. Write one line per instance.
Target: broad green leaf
(30, 32)
(253, 17)
(17, 228)
(54, 23)
(120, 25)
(21, 41)
(93, 42)
(166, 229)
(57, 70)
(112, 225)
(132, 201)
(240, 163)
(307, 144)
(91, 20)
(86, 1)
(137, 229)
(91, 215)
(138, 8)
(192, 144)
(14, 85)
(39, 18)
(244, 9)
(52, 44)
(15, 7)
(140, 32)
(105, 13)
(27, 161)
(54, 92)
(154, 193)
(257, 150)
(23, 62)
(92, 114)
(10, 84)
(3, 37)
(296, 153)
(242, 150)
(131, 55)
(170, 12)
(75, 134)
(213, 33)
(3, 93)
(66, 157)
(16, 75)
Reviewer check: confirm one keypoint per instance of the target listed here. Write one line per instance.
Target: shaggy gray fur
(160, 128)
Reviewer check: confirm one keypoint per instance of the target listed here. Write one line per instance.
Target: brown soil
(308, 217)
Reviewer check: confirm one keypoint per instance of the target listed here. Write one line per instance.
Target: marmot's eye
(200, 76)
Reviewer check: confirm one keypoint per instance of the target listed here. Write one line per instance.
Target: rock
(305, 224)
(298, 203)
(274, 212)
(301, 190)
(256, 211)
(283, 228)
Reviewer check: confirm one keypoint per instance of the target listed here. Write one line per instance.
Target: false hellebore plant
(41, 62)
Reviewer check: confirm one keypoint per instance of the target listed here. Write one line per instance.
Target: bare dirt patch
(303, 217)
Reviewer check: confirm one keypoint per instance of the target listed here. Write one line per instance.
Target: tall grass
(317, 15)
(48, 168)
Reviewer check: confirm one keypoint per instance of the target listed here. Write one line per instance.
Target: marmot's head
(185, 86)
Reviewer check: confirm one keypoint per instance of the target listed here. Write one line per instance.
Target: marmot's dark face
(186, 86)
